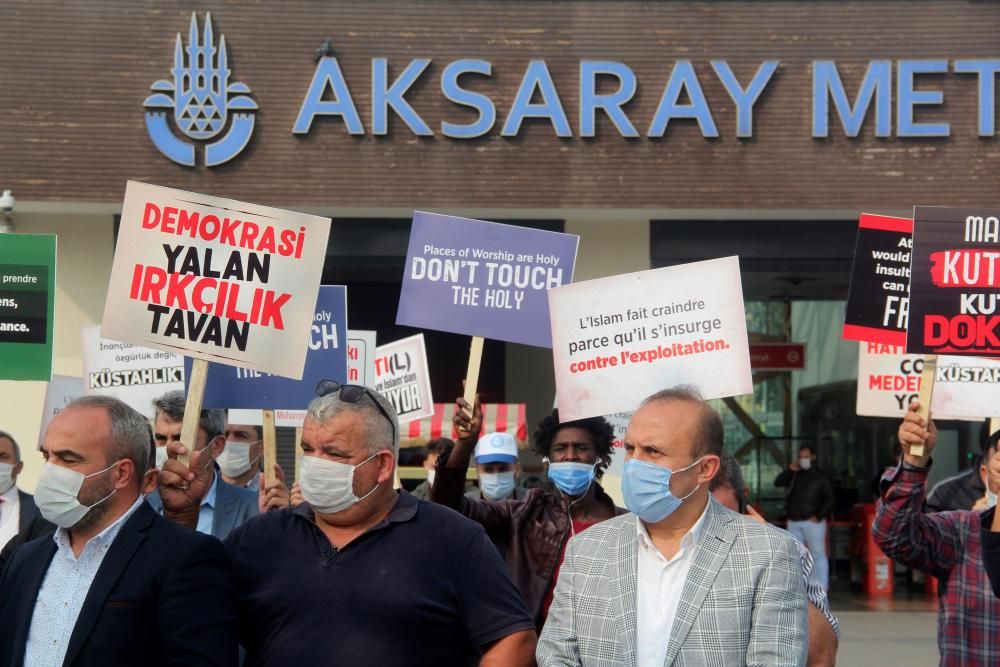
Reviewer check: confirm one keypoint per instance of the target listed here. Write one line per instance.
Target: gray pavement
(887, 639)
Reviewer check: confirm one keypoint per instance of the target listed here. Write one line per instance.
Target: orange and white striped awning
(497, 417)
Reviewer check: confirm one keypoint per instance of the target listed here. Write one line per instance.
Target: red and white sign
(617, 340)
(215, 279)
(402, 376)
(965, 388)
(777, 356)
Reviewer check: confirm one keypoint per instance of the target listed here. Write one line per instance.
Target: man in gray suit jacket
(680, 581)
(224, 506)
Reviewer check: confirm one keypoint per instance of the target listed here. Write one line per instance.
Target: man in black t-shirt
(360, 574)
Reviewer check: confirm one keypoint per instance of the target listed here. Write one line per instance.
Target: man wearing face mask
(809, 503)
(947, 545)
(497, 468)
(681, 581)
(343, 579)
(116, 584)
(532, 531)
(17, 508)
(240, 460)
(222, 505)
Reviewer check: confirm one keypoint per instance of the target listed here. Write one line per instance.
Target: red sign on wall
(777, 356)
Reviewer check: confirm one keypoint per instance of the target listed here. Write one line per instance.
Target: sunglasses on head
(352, 393)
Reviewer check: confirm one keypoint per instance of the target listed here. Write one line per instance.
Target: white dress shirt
(10, 515)
(63, 592)
(658, 592)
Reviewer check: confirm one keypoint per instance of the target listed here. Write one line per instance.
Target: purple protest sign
(483, 278)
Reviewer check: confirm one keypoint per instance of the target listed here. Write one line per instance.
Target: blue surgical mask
(646, 489)
(497, 485)
(572, 478)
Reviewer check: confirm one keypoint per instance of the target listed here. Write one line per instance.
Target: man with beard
(116, 584)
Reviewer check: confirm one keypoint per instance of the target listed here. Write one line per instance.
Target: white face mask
(6, 477)
(161, 457)
(328, 485)
(235, 458)
(430, 476)
(805, 464)
(57, 491)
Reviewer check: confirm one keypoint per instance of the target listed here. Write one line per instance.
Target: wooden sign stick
(926, 395)
(994, 425)
(472, 372)
(270, 446)
(192, 407)
(298, 450)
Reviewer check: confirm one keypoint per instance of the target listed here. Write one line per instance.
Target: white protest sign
(617, 340)
(133, 374)
(360, 370)
(215, 279)
(965, 388)
(619, 422)
(60, 392)
(402, 376)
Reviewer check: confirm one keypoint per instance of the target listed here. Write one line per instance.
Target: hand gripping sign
(617, 340)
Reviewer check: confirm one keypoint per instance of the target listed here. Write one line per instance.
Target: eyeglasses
(352, 393)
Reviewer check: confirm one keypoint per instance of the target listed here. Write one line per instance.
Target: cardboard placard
(955, 282)
(243, 388)
(130, 373)
(27, 301)
(617, 340)
(966, 388)
(401, 374)
(483, 278)
(878, 300)
(360, 365)
(60, 392)
(215, 279)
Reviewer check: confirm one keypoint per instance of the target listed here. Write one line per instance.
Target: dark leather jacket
(532, 530)
(811, 494)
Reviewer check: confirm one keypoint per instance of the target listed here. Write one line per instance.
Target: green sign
(27, 300)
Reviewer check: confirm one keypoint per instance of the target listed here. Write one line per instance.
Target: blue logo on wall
(202, 100)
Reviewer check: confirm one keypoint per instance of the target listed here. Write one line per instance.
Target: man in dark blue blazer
(116, 584)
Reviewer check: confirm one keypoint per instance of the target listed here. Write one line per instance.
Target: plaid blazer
(743, 602)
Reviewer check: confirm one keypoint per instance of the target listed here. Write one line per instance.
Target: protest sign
(27, 300)
(483, 278)
(401, 375)
(360, 370)
(619, 339)
(244, 388)
(878, 300)
(966, 388)
(619, 424)
(130, 373)
(60, 392)
(216, 279)
(955, 284)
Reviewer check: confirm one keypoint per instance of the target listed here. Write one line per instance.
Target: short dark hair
(731, 476)
(599, 429)
(992, 444)
(809, 447)
(172, 404)
(13, 442)
(711, 436)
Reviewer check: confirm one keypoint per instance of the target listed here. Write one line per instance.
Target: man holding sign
(532, 532)
(947, 545)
